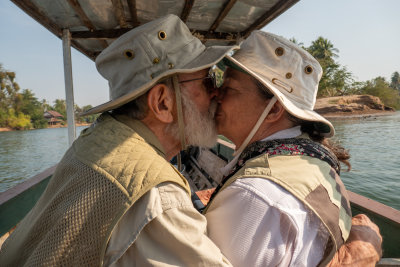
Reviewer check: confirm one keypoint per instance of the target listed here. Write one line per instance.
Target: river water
(374, 145)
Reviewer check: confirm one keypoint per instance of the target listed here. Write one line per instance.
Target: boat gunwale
(26, 185)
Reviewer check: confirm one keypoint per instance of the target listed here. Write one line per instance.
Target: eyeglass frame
(211, 75)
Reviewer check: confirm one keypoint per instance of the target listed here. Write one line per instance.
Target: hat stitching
(150, 52)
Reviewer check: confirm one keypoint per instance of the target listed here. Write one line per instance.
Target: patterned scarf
(287, 147)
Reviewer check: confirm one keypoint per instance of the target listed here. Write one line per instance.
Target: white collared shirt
(256, 222)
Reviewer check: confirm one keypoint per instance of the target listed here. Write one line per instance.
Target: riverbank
(353, 106)
(5, 129)
(49, 127)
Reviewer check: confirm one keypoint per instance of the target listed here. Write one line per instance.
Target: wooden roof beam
(224, 11)
(215, 36)
(133, 11)
(99, 34)
(29, 8)
(268, 16)
(84, 18)
(115, 33)
(119, 13)
(186, 10)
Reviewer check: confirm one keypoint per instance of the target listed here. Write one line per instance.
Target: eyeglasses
(210, 82)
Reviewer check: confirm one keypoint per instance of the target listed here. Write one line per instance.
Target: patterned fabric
(289, 146)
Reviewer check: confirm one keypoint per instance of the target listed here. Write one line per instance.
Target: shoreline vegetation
(336, 107)
(7, 129)
(339, 95)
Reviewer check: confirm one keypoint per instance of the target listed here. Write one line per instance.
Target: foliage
(337, 80)
(323, 49)
(395, 81)
(60, 106)
(297, 42)
(381, 88)
(22, 110)
(88, 118)
(18, 121)
(8, 89)
(30, 105)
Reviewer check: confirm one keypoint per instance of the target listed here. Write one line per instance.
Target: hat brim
(323, 125)
(210, 56)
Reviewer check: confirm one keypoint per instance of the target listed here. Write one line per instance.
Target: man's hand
(363, 248)
(205, 195)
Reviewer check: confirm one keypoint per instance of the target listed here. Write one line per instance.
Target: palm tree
(323, 49)
(296, 42)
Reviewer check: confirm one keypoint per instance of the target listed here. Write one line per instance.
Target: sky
(366, 32)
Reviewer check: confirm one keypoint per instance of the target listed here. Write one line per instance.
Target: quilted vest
(311, 180)
(107, 169)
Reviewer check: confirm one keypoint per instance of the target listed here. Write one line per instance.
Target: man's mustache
(212, 109)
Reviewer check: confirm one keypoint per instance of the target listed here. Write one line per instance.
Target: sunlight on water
(374, 145)
(24, 154)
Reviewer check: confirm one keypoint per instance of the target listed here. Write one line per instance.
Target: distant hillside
(353, 105)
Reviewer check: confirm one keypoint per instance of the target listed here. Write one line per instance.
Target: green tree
(89, 118)
(296, 42)
(395, 81)
(18, 121)
(336, 80)
(323, 49)
(45, 105)
(381, 88)
(61, 107)
(32, 107)
(8, 89)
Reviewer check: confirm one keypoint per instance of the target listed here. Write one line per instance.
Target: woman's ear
(161, 103)
(276, 113)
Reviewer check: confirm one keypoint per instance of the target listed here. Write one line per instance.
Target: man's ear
(276, 113)
(161, 100)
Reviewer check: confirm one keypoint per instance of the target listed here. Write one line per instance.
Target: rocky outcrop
(350, 105)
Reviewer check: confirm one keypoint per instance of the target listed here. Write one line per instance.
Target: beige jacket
(113, 178)
(172, 232)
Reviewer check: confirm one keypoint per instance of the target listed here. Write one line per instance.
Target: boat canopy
(92, 25)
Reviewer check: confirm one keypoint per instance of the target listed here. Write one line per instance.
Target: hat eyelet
(129, 54)
(288, 75)
(162, 35)
(308, 69)
(283, 85)
(156, 60)
(279, 51)
(170, 65)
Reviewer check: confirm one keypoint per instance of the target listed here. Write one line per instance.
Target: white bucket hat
(137, 60)
(288, 71)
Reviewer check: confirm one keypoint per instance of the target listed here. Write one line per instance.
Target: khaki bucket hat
(137, 60)
(289, 71)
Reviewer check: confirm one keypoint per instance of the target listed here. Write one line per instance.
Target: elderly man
(283, 203)
(114, 199)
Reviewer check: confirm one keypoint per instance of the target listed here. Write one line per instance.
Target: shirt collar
(141, 129)
(287, 133)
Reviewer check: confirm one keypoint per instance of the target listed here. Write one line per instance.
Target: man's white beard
(200, 128)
